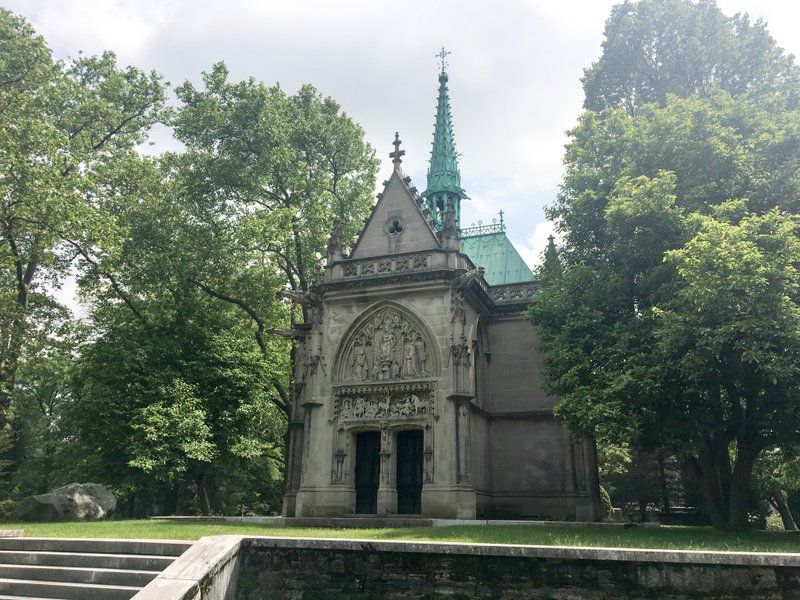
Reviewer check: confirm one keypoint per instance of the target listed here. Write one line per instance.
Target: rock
(73, 502)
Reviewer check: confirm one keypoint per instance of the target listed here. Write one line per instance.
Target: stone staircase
(85, 569)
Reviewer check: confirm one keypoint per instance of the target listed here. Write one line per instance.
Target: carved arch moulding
(387, 344)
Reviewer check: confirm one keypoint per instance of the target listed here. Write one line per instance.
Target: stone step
(105, 546)
(66, 591)
(137, 562)
(78, 575)
(22, 598)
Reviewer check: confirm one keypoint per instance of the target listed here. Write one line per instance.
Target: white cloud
(531, 250)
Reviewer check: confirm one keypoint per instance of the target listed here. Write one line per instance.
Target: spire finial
(442, 55)
(444, 179)
(395, 156)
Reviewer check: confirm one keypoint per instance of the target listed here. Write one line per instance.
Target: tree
(729, 338)
(641, 190)
(68, 133)
(266, 174)
(36, 457)
(777, 475)
(184, 399)
(654, 48)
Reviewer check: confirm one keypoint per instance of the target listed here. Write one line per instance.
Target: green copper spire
(444, 180)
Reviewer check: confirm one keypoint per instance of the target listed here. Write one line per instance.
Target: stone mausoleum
(418, 380)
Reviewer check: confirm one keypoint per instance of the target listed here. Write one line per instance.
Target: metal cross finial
(395, 156)
(442, 55)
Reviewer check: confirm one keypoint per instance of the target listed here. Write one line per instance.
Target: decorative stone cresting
(419, 261)
(515, 293)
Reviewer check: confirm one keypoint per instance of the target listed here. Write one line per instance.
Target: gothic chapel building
(418, 391)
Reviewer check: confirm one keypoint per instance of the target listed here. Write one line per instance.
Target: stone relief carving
(383, 405)
(313, 361)
(387, 347)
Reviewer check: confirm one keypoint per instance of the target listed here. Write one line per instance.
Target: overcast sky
(514, 72)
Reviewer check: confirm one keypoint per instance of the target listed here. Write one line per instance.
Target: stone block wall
(282, 569)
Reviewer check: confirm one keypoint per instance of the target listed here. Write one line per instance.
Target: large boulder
(73, 502)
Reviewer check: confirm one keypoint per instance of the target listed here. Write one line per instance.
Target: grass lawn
(693, 538)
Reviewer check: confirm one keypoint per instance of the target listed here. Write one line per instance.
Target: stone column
(462, 432)
(427, 454)
(387, 489)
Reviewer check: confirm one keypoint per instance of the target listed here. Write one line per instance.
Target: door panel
(368, 446)
(409, 472)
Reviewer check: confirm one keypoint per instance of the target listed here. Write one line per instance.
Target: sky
(514, 72)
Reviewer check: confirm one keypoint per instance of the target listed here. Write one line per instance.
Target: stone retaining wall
(271, 568)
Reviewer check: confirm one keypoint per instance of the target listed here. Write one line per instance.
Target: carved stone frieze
(418, 261)
(384, 403)
(387, 347)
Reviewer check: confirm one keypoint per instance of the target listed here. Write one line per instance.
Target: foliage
(676, 308)
(188, 398)
(605, 502)
(267, 173)
(654, 48)
(68, 133)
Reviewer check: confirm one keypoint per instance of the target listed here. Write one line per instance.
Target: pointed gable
(396, 224)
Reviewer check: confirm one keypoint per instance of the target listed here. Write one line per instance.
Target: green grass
(693, 538)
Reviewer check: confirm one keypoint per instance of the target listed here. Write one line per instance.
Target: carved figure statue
(411, 362)
(449, 227)
(335, 244)
(388, 343)
(388, 369)
(360, 364)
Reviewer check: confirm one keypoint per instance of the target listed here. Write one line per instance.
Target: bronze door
(409, 472)
(368, 447)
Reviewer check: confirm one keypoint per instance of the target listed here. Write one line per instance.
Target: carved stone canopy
(388, 346)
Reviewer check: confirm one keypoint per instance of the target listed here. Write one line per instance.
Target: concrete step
(65, 591)
(105, 546)
(78, 575)
(137, 562)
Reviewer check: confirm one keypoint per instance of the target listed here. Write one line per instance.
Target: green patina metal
(444, 179)
(487, 246)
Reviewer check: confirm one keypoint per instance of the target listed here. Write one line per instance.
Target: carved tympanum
(387, 347)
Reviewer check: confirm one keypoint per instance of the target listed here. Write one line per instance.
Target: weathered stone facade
(409, 336)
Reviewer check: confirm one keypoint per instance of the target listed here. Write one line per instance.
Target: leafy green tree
(777, 476)
(267, 173)
(654, 48)
(182, 400)
(36, 457)
(68, 132)
(641, 196)
(730, 341)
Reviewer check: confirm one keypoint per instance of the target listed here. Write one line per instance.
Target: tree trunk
(739, 505)
(203, 493)
(662, 480)
(778, 500)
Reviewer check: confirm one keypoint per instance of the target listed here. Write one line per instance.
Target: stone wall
(331, 569)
